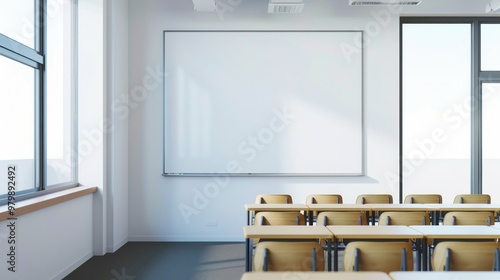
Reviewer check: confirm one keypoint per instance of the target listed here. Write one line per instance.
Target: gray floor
(163, 260)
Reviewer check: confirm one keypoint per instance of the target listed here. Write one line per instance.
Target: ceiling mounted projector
(493, 6)
(383, 3)
(285, 6)
(205, 5)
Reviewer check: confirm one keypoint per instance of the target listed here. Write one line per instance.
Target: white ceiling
(336, 8)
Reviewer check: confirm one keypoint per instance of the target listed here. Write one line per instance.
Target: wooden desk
(338, 208)
(495, 208)
(252, 208)
(372, 232)
(285, 232)
(272, 275)
(453, 233)
(444, 275)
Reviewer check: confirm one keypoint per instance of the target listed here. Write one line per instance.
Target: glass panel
(491, 140)
(17, 103)
(436, 109)
(490, 46)
(59, 95)
(17, 20)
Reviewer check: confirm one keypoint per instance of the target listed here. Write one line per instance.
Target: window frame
(477, 78)
(36, 59)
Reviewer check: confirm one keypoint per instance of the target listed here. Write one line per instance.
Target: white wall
(157, 203)
(117, 140)
(51, 242)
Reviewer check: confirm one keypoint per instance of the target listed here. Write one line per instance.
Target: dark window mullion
(40, 91)
(476, 112)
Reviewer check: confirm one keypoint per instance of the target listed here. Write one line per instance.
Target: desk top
(287, 232)
(466, 207)
(374, 232)
(403, 207)
(461, 232)
(276, 207)
(273, 275)
(444, 275)
(339, 207)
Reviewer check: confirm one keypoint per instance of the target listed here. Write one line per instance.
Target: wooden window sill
(40, 202)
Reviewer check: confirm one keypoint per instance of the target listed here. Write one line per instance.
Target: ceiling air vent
(384, 3)
(285, 6)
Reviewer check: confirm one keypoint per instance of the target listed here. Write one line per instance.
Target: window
(37, 98)
(449, 107)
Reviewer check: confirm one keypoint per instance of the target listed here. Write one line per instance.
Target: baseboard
(184, 239)
(72, 267)
(117, 246)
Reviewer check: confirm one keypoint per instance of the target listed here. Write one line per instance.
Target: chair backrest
(341, 218)
(404, 218)
(374, 198)
(424, 198)
(279, 218)
(273, 199)
(324, 199)
(378, 256)
(289, 256)
(469, 218)
(472, 198)
(466, 256)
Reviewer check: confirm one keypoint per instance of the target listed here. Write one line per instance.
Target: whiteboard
(263, 103)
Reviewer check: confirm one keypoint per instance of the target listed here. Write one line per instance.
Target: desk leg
(368, 214)
(336, 254)
(425, 254)
(248, 218)
(249, 252)
(329, 253)
(418, 245)
(310, 217)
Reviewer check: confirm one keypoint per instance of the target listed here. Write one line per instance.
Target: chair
(289, 256)
(423, 198)
(341, 218)
(323, 199)
(469, 218)
(472, 198)
(273, 199)
(374, 199)
(279, 218)
(466, 256)
(378, 256)
(404, 218)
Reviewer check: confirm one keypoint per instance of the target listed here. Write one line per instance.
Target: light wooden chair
(404, 218)
(322, 199)
(472, 198)
(469, 218)
(289, 256)
(466, 256)
(279, 218)
(374, 199)
(423, 198)
(273, 199)
(378, 256)
(341, 218)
